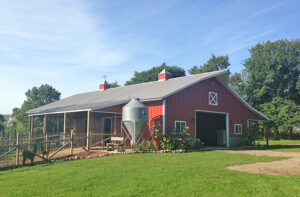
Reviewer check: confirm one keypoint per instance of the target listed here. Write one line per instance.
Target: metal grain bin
(135, 116)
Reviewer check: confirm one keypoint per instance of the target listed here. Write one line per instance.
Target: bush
(180, 140)
(145, 146)
(250, 139)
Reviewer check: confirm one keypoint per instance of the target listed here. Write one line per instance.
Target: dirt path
(285, 167)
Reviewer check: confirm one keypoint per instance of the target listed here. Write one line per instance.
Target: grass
(280, 145)
(278, 142)
(187, 174)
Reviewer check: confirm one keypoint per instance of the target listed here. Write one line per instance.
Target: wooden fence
(34, 149)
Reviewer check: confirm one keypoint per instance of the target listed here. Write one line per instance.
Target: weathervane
(104, 77)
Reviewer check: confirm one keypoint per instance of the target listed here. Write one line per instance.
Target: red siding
(164, 76)
(182, 106)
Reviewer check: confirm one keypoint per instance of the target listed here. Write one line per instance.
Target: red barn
(203, 102)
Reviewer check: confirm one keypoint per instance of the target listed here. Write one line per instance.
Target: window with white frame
(238, 129)
(180, 126)
(212, 98)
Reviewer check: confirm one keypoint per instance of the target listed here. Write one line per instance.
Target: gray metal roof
(155, 90)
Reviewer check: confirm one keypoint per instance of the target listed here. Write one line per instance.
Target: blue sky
(71, 44)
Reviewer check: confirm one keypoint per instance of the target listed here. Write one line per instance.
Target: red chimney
(164, 75)
(104, 86)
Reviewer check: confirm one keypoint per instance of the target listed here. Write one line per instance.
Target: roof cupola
(164, 75)
(103, 86)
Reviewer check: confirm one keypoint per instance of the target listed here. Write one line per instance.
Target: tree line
(269, 82)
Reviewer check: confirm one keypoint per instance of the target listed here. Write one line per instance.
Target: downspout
(164, 117)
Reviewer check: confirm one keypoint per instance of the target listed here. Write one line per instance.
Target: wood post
(115, 125)
(45, 125)
(267, 134)
(57, 125)
(46, 145)
(31, 125)
(17, 150)
(29, 141)
(88, 141)
(71, 144)
(65, 128)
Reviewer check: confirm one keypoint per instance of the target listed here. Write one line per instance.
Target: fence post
(268, 132)
(29, 141)
(88, 134)
(45, 125)
(17, 150)
(65, 128)
(71, 144)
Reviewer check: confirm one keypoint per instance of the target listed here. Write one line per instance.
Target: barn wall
(182, 106)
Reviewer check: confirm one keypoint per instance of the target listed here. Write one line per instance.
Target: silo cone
(134, 116)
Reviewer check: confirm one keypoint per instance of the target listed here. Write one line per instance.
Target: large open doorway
(211, 128)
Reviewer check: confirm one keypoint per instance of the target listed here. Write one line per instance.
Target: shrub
(146, 146)
(180, 140)
(250, 139)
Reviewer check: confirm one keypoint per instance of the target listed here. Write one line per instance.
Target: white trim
(215, 112)
(235, 133)
(180, 124)
(246, 104)
(213, 95)
(104, 112)
(195, 123)
(164, 117)
(227, 130)
(60, 112)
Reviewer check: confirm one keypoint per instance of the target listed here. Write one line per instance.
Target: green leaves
(2, 120)
(213, 64)
(272, 81)
(284, 113)
(35, 97)
(151, 74)
(273, 70)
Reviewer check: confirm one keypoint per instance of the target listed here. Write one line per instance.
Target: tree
(114, 84)
(272, 70)
(237, 83)
(151, 74)
(213, 64)
(284, 114)
(272, 82)
(2, 121)
(35, 97)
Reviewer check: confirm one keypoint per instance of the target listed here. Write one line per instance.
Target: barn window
(212, 98)
(180, 126)
(238, 129)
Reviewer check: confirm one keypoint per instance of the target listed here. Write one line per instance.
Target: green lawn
(278, 142)
(280, 145)
(186, 174)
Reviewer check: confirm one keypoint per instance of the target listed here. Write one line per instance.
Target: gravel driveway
(285, 167)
